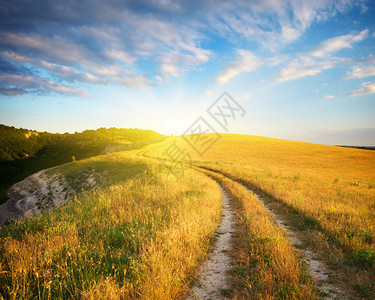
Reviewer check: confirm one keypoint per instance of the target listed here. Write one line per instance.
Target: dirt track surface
(213, 281)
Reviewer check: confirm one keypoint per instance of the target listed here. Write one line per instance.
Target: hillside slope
(136, 233)
(24, 152)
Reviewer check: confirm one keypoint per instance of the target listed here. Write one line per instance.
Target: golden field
(331, 189)
(145, 229)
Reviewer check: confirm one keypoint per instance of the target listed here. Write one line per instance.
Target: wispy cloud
(329, 97)
(243, 98)
(16, 85)
(364, 67)
(361, 72)
(366, 88)
(319, 59)
(140, 44)
(338, 43)
(121, 56)
(272, 24)
(246, 61)
(99, 43)
(297, 70)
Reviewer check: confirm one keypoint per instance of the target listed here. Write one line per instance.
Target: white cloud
(122, 44)
(276, 60)
(314, 62)
(338, 43)
(297, 70)
(134, 80)
(169, 69)
(97, 54)
(329, 97)
(243, 98)
(199, 55)
(361, 72)
(178, 61)
(246, 62)
(120, 55)
(366, 88)
(68, 91)
(272, 24)
(64, 72)
(290, 34)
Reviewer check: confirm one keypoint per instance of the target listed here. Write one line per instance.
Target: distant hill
(19, 143)
(25, 151)
(359, 147)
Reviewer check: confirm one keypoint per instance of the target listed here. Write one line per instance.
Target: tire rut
(213, 280)
(317, 268)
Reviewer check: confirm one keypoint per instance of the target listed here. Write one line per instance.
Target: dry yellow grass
(143, 233)
(265, 265)
(142, 237)
(332, 187)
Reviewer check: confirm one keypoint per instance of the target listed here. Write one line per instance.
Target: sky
(298, 70)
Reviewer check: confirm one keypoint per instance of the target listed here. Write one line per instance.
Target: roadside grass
(265, 265)
(347, 248)
(329, 187)
(140, 237)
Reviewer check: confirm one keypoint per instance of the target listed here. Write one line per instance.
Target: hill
(19, 143)
(24, 152)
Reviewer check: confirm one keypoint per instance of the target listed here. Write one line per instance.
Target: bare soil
(213, 281)
(318, 269)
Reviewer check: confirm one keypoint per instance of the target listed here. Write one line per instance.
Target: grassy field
(141, 235)
(331, 190)
(147, 226)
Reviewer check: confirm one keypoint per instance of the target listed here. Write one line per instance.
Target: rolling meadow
(149, 223)
(328, 192)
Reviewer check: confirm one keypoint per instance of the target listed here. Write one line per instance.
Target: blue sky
(302, 70)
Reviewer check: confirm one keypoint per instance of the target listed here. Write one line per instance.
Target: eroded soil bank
(39, 192)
